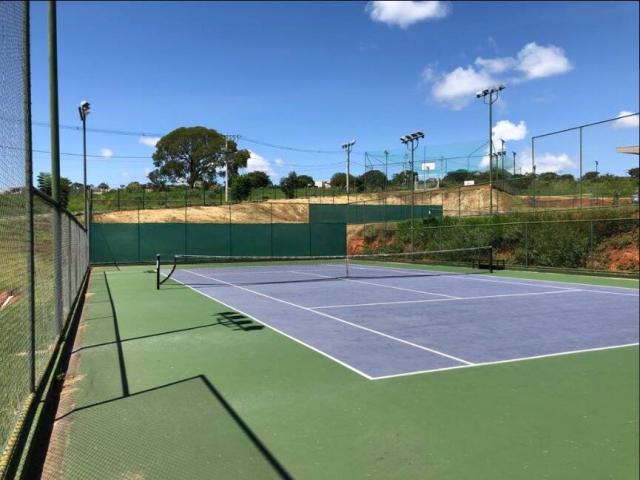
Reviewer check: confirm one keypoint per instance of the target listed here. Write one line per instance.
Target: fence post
(29, 197)
(143, 190)
(526, 244)
(118, 195)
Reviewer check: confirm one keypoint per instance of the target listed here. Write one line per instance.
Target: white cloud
(257, 162)
(545, 162)
(629, 122)
(106, 152)
(149, 141)
(405, 13)
(279, 162)
(495, 65)
(537, 61)
(508, 131)
(456, 88)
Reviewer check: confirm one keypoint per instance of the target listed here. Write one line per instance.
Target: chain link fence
(30, 328)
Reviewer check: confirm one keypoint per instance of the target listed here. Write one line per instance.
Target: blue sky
(313, 75)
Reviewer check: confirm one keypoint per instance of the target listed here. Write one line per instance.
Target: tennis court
(382, 319)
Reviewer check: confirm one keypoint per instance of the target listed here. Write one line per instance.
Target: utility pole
(514, 163)
(490, 96)
(347, 148)
(411, 142)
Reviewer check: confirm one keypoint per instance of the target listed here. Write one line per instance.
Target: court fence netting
(45, 256)
(236, 270)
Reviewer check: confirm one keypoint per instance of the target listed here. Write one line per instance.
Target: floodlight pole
(386, 165)
(411, 142)
(347, 148)
(514, 163)
(492, 94)
(84, 110)
(226, 165)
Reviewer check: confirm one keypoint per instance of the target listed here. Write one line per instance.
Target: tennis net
(247, 270)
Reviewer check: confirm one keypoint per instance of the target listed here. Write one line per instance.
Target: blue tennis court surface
(382, 322)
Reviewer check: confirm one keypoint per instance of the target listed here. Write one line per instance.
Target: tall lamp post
(347, 147)
(84, 109)
(411, 142)
(489, 96)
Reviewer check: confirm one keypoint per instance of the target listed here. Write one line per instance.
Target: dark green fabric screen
(131, 243)
(357, 214)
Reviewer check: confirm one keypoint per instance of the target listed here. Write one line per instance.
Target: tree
(590, 176)
(193, 154)
(77, 187)
(133, 187)
(289, 184)
(634, 172)
(44, 184)
(404, 178)
(259, 179)
(305, 181)
(456, 177)
(339, 180)
(372, 180)
(240, 187)
(157, 179)
(548, 176)
(103, 186)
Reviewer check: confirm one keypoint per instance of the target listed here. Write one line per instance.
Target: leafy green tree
(259, 179)
(240, 187)
(404, 178)
(634, 172)
(590, 176)
(157, 179)
(372, 180)
(194, 154)
(133, 187)
(456, 177)
(289, 184)
(103, 186)
(44, 184)
(305, 181)
(339, 180)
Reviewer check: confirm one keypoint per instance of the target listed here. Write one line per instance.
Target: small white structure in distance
(468, 183)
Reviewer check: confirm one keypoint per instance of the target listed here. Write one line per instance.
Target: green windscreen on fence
(131, 243)
(357, 214)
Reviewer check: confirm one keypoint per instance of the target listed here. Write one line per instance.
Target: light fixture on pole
(347, 148)
(411, 142)
(84, 109)
(489, 96)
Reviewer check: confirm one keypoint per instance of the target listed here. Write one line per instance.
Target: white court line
(450, 297)
(446, 299)
(361, 327)
(325, 354)
(511, 360)
(483, 278)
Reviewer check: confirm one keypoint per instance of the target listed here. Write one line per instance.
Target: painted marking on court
(337, 319)
(290, 337)
(511, 360)
(483, 278)
(450, 297)
(447, 299)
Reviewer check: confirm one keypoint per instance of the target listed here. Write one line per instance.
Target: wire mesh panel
(14, 319)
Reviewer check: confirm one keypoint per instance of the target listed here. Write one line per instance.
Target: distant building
(322, 183)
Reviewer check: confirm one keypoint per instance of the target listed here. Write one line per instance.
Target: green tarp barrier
(358, 214)
(132, 243)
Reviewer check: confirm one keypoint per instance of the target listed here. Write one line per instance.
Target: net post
(157, 271)
(491, 259)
